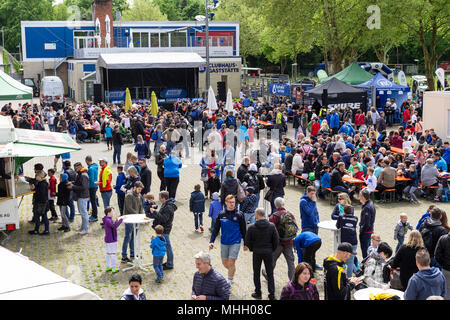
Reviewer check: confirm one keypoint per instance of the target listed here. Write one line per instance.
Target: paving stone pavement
(81, 258)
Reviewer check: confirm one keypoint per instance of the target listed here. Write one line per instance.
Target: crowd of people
(246, 152)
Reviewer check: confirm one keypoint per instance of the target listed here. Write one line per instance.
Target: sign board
(173, 93)
(50, 46)
(280, 89)
(445, 65)
(221, 67)
(115, 95)
(352, 105)
(402, 78)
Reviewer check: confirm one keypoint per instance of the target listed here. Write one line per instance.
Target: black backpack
(253, 182)
(427, 236)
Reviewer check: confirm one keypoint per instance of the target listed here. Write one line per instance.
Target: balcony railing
(95, 52)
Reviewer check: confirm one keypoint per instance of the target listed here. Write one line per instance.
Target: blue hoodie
(424, 217)
(93, 175)
(172, 167)
(304, 240)
(446, 155)
(425, 283)
(308, 212)
(215, 208)
(120, 181)
(158, 246)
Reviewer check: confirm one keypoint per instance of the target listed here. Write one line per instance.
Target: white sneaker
(83, 232)
(196, 230)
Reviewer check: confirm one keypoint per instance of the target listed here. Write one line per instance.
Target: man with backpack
(262, 239)
(255, 180)
(431, 230)
(286, 226)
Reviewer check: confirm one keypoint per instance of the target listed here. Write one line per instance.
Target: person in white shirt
(297, 162)
(371, 180)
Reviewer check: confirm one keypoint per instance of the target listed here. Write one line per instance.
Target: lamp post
(207, 49)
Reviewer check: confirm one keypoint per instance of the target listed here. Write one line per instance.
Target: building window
(144, 40)
(178, 39)
(136, 40)
(154, 40)
(164, 40)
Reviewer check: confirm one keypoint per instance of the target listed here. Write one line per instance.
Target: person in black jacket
(243, 169)
(431, 230)
(40, 186)
(229, 186)
(336, 284)
(262, 239)
(146, 176)
(442, 256)
(164, 217)
(117, 143)
(276, 181)
(159, 160)
(367, 221)
(347, 224)
(255, 180)
(63, 202)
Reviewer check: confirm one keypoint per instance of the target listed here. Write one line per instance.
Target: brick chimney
(102, 14)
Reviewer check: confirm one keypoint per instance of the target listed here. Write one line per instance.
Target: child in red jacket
(52, 183)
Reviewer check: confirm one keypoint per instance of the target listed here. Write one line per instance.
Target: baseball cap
(345, 247)
(103, 159)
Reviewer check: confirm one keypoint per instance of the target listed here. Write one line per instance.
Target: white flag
(402, 78)
(441, 76)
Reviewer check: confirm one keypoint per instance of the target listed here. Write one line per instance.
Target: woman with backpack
(300, 288)
(255, 180)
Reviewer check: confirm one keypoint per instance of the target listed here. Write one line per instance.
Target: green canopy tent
(13, 91)
(352, 75)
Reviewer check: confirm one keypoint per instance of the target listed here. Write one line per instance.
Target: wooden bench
(333, 195)
(391, 193)
(430, 192)
(305, 180)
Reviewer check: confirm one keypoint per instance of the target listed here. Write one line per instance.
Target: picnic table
(350, 179)
(397, 150)
(265, 123)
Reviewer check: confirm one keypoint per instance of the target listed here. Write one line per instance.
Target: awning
(153, 60)
(24, 279)
(11, 89)
(45, 139)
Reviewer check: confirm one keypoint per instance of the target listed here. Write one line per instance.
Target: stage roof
(150, 60)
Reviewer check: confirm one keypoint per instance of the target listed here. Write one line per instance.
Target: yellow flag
(127, 100)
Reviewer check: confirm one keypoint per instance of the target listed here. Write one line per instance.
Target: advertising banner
(441, 76)
(279, 89)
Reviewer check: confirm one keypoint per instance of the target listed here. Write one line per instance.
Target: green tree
(428, 21)
(61, 12)
(250, 26)
(86, 7)
(143, 10)
(177, 10)
(12, 12)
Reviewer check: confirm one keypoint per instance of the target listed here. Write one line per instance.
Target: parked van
(52, 91)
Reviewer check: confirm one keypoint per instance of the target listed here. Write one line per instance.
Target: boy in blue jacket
(249, 205)
(120, 181)
(197, 207)
(307, 243)
(325, 179)
(215, 207)
(158, 246)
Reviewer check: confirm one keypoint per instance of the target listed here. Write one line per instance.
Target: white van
(52, 91)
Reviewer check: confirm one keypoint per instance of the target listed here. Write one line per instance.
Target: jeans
(64, 216)
(172, 185)
(106, 196)
(40, 210)
(364, 240)
(258, 196)
(158, 266)
(272, 203)
(268, 265)
(409, 192)
(116, 153)
(400, 242)
(84, 135)
(342, 189)
(82, 208)
(313, 230)
(169, 252)
(170, 146)
(128, 239)
(52, 127)
(163, 185)
(309, 255)
(250, 216)
(93, 201)
(72, 207)
(198, 216)
(351, 263)
(213, 222)
(121, 201)
(288, 253)
(51, 207)
(390, 119)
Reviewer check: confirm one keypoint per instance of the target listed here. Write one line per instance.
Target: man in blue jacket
(440, 163)
(347, 129)
(93, 178)
(333, 121)
(308, 211)
(232, 223)
(428, 281)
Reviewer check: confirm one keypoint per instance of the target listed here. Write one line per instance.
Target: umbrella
(212, 103)
(229, 104)
(127, 100)
(154, 105)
